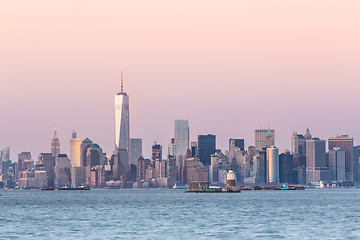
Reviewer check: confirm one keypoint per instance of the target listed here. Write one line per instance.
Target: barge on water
(203, 187)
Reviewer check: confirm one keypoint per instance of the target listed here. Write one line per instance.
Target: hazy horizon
(229, 68)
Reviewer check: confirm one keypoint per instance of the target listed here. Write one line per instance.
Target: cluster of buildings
(310, 161)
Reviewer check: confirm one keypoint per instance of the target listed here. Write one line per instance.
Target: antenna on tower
(122, 82)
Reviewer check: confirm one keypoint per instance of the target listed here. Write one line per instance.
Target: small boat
(73, 188)
(180, 187)
(47, 189)
(82, 188)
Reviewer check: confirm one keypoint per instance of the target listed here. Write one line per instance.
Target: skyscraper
(55, 146)
(47, 160)
(346, 143)
(181, 136)
(356, 163)
(298, 144)
(272, 165)
(236, 143)
(62, 171)
(122, 128)
(337, 164)
(286, 167)
(156, 152)
(75, 150)
(135, 149)
(316, 169)
(206, 147)
(121, 163)
(264, 138)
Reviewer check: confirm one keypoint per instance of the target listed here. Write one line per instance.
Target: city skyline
(66, 81)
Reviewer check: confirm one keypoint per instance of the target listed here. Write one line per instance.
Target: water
(173, 214)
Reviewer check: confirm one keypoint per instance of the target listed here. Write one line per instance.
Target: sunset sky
(228, 67)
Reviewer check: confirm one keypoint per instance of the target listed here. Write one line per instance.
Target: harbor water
(174, 214)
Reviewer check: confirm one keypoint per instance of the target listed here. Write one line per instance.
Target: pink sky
(228, 67)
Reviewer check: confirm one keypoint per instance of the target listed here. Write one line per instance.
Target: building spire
(269, 132)
(122, 82)
(55, 134)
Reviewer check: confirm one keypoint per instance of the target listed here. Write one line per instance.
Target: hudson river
(173, 214)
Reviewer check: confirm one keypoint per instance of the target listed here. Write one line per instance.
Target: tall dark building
(239, 143)
(286, 167)
(356, 164)
(316, 169)
(346, 143)
(298, 144)
(206, 147)
(135, 149)
(194, 149)
(94, 156)
(156, 152)
(121, 163)
(47, 160)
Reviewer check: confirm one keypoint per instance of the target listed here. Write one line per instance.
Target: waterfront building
(316, 169)
(356, 164)
(214, 168)
(121, 163)
(47, 160)
(286, 167)
(272, 165)
(55, 146)
(122, 122)
(261, 167)
(206, 147)
(135, 149)
(40, 179)
(62, 171)
(181, 138)
(231, 178)
(337, 159)
(78, 176)
(264, 138)
(194, 170)
(171, 171)
(75, 150)
(346, 143)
